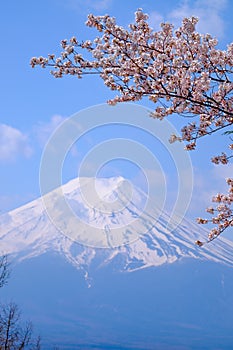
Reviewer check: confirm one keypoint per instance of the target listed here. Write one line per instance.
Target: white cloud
(206, 185)
(222, 172)
(155, 19)
(100, 4)
(13, 143)
(97, 5)
(208, 11)
(43, 131)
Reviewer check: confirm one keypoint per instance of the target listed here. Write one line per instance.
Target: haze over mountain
(134, 285)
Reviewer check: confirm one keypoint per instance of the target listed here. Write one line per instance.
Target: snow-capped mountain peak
(111, 214)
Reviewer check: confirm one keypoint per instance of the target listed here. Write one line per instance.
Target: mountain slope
(177, 296)
(28, 231)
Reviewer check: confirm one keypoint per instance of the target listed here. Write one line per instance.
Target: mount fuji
(29, 231)
(122, 279)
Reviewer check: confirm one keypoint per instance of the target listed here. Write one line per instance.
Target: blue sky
(33, 103)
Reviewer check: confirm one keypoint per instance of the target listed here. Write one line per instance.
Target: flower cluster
(181, 71)
(222, 214)
(223, 159)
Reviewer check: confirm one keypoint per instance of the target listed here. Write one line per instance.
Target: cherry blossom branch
(222, 214)
(181, 71)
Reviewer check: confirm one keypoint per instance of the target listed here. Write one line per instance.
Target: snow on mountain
(105, 206)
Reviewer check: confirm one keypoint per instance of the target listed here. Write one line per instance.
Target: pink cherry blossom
(180, 70)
